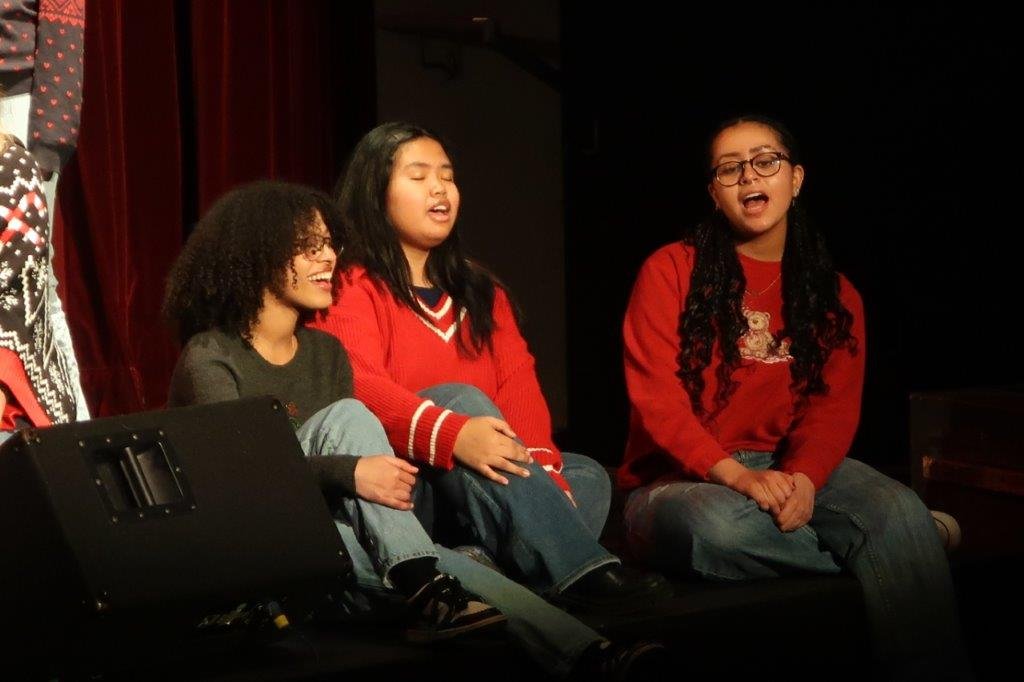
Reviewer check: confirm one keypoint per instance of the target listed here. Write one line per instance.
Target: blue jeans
(863, 521)
(378, 538)
(529, 526)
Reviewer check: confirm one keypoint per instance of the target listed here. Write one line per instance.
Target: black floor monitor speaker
(161, 524)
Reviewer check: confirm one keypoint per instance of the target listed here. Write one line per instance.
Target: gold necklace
(270, 351)
(747, 294)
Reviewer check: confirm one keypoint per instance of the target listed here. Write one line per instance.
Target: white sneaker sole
(422, 636)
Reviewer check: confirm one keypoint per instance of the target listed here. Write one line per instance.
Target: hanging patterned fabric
(25, 328)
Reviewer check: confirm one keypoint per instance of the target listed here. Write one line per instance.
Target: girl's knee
(587, 471)
(901, 504)
(700, 515)
(348, 424)
(352, 412)
(462, 398)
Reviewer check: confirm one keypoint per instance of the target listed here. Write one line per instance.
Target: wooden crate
(967, 459)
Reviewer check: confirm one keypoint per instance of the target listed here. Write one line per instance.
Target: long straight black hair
(372, 241)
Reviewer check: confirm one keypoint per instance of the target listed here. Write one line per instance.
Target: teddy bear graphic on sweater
(758, 343)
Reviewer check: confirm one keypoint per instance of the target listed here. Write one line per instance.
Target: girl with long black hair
(438, 357)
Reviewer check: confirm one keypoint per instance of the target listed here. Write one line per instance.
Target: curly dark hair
(814, 318)
(372, 241)
(243, 245)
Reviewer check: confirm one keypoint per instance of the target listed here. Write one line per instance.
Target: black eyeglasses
(765, 164)
(313, 245)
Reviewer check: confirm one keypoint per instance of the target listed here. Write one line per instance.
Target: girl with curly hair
(744, 359)
(259, 262)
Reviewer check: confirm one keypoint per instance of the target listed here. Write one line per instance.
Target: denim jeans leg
(463, 399)
(551, 637)
(383, 536)
(718, 533)
(592, 489)
(888, 540)
(528, 525)
(589, 481)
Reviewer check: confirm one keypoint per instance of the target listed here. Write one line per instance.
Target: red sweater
(665, 437)
(395, 353)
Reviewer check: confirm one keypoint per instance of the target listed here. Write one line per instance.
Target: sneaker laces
(443, 590)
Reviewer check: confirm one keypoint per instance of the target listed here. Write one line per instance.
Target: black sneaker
(614, 588)
(608, 661)
(443, 609)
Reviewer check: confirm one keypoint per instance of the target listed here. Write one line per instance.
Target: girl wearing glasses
(744, 359)
(258, 264)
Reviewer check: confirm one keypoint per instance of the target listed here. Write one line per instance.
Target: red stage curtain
(182, 101)
(120, 205)
(262, 96)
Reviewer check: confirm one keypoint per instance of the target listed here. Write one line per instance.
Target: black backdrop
(911, 143)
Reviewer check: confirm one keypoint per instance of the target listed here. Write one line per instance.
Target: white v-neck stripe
(447, 334)
(440, 313)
